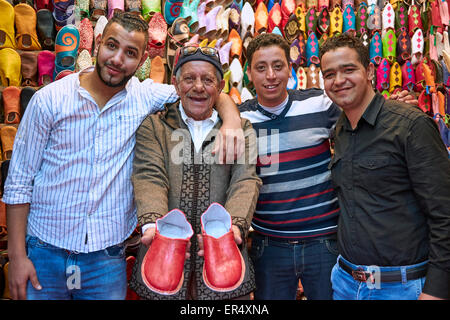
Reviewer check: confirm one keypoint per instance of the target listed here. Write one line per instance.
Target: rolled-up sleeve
(429, 168)
(29, 146)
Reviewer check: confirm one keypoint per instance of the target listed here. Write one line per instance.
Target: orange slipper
(442, 103)
(26, 19)
(236, 47)
(157, 71)
(7, 39)
(11, 104)
(10, 68)
(261, 18)
(7, 134)
(235, 95)
(430, 85)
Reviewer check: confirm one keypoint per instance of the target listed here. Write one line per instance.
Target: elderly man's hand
(405, 96)
(149, 234)
(237, 239)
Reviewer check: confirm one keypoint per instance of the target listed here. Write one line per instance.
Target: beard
(121, 83)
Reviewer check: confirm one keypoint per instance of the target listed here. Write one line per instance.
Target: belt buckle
(359, 275)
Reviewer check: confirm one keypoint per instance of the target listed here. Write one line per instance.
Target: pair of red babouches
(163, 264)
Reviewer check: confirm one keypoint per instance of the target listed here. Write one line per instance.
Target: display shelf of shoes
(211, 23)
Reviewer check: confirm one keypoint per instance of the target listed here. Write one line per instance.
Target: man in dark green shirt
(392, 174)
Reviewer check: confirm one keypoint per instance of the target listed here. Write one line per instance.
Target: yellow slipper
(10, 68)
(395, 77)
(336, 21)
(226, 78)
(25, 19)
(7, 25)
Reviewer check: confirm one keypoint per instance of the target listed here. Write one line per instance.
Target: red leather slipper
(224, 267)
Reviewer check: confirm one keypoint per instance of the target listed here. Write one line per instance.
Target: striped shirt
(297, 199)
(72, 162)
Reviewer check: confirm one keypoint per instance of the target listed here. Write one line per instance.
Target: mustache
(110, 64)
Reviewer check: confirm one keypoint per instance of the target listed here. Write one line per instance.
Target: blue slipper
(312, 50)
(376, 49)
(171, 10)
(349, 20)
(66, 48)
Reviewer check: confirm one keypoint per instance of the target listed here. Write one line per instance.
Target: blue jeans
(280, 265)
(65, 275)
(347, 288)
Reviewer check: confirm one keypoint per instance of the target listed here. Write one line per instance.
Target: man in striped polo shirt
(296, 216)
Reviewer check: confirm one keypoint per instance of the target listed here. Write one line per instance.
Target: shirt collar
(213, 118)
(370, 114)
(372, 111)
(277, 109)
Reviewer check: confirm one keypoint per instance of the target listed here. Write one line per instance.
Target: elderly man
(173, 168)
(392, 175)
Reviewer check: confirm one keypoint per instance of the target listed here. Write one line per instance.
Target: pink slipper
(157, 32)
(383, 73)
(115, 5)
(86, 35)
(46, 65)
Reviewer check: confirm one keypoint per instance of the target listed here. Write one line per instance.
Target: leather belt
(286, 240)
(385, 276)
(290, 241)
